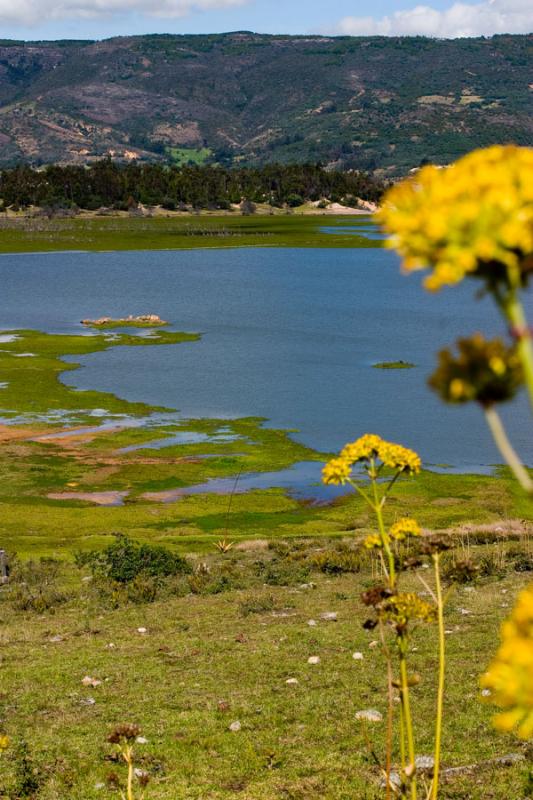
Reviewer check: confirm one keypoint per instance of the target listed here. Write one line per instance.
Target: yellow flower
(472, 218)
(406, 606)
(373, 541)
(509, 679)
(337, 471)
(403, 528)
(4, 742)
(366, 448)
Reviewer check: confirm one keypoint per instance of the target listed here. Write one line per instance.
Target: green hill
(364, 103)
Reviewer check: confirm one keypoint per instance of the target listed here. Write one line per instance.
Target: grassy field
(223, 654)
(183, 232)
(218, 645)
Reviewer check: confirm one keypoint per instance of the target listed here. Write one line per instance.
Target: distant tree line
(124, 186)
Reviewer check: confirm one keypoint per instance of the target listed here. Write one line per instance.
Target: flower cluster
(472, 218)
(366, 449)
(403, 528)
(406, 606)
(486, 371)
(4, 742)
(126, 732)
(509, 678)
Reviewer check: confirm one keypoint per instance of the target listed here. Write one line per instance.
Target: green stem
(442, 671)
(506, 449)
(408, 720)
(129, 760)
(384, 538)
(514, 312)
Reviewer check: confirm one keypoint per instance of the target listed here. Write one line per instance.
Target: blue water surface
(287, 334)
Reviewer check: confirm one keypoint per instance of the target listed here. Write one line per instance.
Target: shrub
(257, 604)
(34, 586)
(337, 562)
(124, 560)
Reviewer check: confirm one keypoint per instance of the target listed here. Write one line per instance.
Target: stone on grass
(358, 656)
(92, 682)
(142, 630)
(292, 681)
(424, 763)
(312, 623)
(313, 660)
(141, 740)
(329, 616)
(235, 727)
(369, 715)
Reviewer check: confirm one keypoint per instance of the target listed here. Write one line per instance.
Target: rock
(358, 656)
(369, 715)
(307, 586)
(55, 639)
(92, 682)
(141, 740)
(313, 660)
(292, 681)
(395, 781)
(88, 701)
(312, 623)
(373, 644)
(235, 727)
(329, 616)
(424, 763)
(142, 630)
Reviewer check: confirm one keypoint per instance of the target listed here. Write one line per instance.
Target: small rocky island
(142, 321)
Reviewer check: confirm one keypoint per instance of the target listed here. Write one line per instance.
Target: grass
(189, 155)
(175, 233)
(209, 660)
(31, 362)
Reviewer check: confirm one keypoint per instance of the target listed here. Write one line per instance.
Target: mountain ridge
(371, 103)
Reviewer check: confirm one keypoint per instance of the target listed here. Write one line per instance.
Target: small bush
(257, 604)
(521, 560)
(34, 586)
(282, 572)
(124, 560)
(337, 562)
(462, 571)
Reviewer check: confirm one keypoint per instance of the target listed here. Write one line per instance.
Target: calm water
(290, 335)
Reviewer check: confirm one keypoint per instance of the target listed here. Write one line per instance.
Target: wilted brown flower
(376, 595)
(126, 732)
(485, 371)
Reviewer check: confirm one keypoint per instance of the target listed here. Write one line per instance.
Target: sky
(99, 19)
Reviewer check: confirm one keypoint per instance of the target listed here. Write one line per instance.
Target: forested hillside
(364, 103)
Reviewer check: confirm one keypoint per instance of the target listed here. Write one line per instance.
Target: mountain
(366, 103)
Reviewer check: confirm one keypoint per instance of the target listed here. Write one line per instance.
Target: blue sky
(53, 19)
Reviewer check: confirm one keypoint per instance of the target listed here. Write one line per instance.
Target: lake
(287, 334)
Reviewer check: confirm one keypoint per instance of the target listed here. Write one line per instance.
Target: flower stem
(406, 710)
(514, 312)
(442, 671)
(506, 449)
(384, 538)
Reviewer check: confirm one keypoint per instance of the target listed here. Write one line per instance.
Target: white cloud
(35, 12)
(460, 19)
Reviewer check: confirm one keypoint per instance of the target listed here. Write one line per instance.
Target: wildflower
(485, 371)
(407, 606)
(337, 471)
(510, 676)
(4, 742)
(125, 732)
(372, 541)
(473, 218)
(369, 448)
(403, 528)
